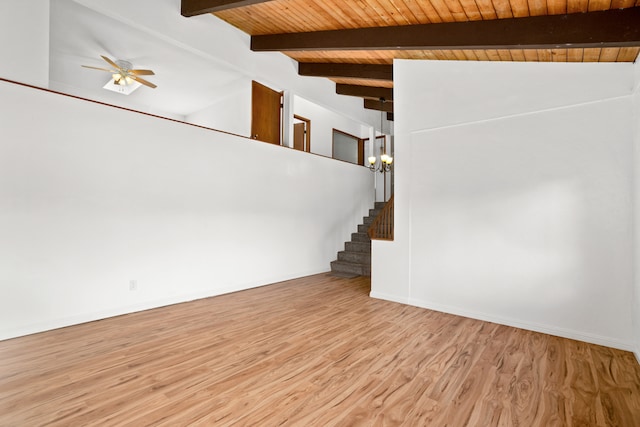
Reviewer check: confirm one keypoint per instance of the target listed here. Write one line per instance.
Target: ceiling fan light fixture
(124, 79)
(120, 86)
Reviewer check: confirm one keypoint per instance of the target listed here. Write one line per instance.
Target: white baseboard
(516, 323)
(62, 322)
(546, 329)
(388, 297)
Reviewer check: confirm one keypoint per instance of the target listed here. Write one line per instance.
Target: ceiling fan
(123, 74)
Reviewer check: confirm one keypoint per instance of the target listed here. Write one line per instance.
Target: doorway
(301, 133)
(266, 114)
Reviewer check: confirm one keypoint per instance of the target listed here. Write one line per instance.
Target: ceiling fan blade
(143, 81)
(142, 72)
(101, 69)
(110, 62)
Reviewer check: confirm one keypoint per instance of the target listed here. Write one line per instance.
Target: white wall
(513, 196)
(636, 210)
(94, 197)
(323, 121)
(24, 41)
(230, 112)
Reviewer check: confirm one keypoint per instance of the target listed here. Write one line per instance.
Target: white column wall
(513, 196)
(93, 197)
(24, 41)
(636, 210)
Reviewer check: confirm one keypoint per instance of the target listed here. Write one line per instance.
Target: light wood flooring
(315, 351)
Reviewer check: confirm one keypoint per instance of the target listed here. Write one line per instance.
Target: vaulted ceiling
(354, 42)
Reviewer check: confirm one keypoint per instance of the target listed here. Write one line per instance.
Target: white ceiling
(187, 82)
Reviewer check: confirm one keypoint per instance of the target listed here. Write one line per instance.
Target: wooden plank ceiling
(354, 42)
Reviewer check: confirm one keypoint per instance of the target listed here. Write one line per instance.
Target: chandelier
(383, 164)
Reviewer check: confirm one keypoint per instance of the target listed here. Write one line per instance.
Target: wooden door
(302, 134)
(266, 117)
(298, 136)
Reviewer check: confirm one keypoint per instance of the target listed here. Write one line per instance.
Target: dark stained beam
(359, 71)
(390, 117)
(200, 7)
(609, 28)
(372, 92)
(377, 105)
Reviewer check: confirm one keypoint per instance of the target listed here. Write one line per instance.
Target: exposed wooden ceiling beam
(200, 7)
(359, 71)
(609, 28)
(372, 92)
(372, 104)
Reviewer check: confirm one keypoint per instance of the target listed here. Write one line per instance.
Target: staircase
(355, 260)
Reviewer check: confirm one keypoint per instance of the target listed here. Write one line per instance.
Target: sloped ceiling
(354, 42)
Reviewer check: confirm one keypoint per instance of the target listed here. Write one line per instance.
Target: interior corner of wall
(636, 75)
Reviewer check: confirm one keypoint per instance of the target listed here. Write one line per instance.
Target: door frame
(360, 148)
(307, 146)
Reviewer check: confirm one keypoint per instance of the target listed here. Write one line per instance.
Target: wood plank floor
(315, 351)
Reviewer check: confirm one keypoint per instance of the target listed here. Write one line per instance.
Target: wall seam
(525, 114)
